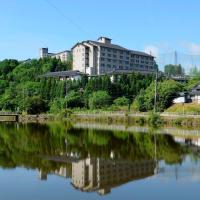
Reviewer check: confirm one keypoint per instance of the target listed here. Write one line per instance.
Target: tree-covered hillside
(24, 89)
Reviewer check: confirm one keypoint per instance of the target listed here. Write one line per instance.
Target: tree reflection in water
(94, 160)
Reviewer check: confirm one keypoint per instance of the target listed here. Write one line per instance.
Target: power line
(67, 18)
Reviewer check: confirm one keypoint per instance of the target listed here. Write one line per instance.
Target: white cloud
(152, 49)
(192, 48)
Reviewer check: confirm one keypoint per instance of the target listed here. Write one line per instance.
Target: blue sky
(156, 25)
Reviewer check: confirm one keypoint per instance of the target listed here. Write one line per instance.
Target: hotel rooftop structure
(102, 57)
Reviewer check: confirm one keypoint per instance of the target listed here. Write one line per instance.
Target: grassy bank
(137, 118)
(117, 117)
(186, 108)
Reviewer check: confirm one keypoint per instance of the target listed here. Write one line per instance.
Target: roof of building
(108, 45)
(121, 71)
(179, 78)
(66, 51)
(113, 46)
(141, 53)
(71, 73)
(195, 90)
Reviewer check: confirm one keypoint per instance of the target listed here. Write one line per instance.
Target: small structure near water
(9, 117)
(184, 97)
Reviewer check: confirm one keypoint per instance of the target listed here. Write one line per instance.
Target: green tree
(74, 99)
(166, 91)
(35, 105)
(174, 70)
(99, 99)
(121, 101)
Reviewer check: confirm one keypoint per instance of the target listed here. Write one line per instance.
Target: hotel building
(102, 57)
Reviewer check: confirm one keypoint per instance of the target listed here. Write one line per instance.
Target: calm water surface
(59, 161)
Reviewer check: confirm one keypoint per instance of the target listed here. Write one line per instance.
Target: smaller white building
(63, 56)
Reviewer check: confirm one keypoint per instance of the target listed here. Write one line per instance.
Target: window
(109, 50)
(121, 57)
(114, 51)
(103, 54)
(109, 55)
(109, 60)
(114, 56)
(127, 62)
(102, 59)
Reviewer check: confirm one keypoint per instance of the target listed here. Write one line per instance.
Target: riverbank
(120, 117)
(136, 118)
(42, 118)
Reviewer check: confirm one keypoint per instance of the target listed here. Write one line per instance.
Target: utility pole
(155, 97)
(175, 58)
(66, 91)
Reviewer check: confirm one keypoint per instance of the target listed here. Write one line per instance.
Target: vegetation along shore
(129, 97)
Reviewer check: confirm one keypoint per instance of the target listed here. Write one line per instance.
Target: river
(60, 160)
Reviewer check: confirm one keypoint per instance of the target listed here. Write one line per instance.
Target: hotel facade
(102, 57)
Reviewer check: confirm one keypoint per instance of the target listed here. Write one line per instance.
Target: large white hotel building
(101, 57)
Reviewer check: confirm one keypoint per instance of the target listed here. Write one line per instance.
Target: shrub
(99, 99)
(121, 101)
(154, 120)
(73, 99)
(35, 105)
(65, 113)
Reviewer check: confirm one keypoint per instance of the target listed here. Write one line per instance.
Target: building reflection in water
(95, 174)
(101, 175)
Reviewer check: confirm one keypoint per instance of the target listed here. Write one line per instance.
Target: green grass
(186, 108)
